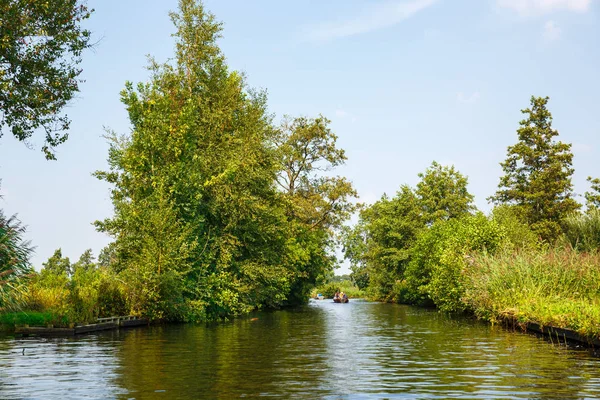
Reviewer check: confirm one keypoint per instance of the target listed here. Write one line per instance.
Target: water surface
(358, 350)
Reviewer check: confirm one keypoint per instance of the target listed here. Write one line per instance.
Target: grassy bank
(556, 287)
(8, 321)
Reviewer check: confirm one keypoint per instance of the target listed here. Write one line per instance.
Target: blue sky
(405, 82)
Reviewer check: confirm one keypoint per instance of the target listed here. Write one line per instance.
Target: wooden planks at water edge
(103, 324)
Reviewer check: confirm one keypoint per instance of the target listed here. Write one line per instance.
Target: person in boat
(344, 297)
(336, 296)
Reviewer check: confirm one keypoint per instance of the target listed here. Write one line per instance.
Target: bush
(86, 296)
(434, 275)
(516, 230)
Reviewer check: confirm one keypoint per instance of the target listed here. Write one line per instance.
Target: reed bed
(556, 287)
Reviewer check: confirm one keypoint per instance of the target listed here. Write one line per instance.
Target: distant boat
(338, 300)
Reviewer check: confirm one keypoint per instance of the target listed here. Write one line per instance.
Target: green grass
(557, 287)
(31, 318)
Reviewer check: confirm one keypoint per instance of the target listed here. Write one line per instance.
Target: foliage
(582, 231)
(537, 173)
(443, 194)
(518, 233)
(593, 196)
(389, 228)
(57, 264)
(340, 278)
(557, 287)
(85, 262)
(200, 231)
(434, 274)
(89, 293)
(316, 204)
(379, 246)
(329, 289)
(14, 260)
(41, 43)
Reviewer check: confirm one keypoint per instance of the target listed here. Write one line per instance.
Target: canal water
(358, 350)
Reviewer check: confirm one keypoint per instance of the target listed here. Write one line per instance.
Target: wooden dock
(103, 324)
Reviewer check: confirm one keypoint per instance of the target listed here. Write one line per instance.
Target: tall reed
(583, 230)
(558, 287)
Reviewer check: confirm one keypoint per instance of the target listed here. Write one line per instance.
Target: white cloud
(541, 7)
(467, 99)
(551, 31)
(380, 16)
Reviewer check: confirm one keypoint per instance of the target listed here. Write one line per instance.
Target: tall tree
(392, 227)
(592, 197)
(537, 173)
(307, 150)
(86, 262)
(200, 229)
(41, 43)
(317, 203)
(443, 194)
(57, 264)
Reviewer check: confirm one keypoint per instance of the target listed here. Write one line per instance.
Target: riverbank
(41, 324)
(557, 288)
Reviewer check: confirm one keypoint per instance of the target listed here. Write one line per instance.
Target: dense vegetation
(219, 210)
(535, 258)
(41, 43)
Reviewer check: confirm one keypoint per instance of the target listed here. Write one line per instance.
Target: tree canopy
(443, 193)
(202, 230)
(537, 173)
(41, 43)
(380, 246)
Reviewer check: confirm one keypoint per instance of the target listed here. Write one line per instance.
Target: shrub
(434, 275)
(516, 230)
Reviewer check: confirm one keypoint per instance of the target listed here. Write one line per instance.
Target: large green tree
(41, 43)
(443, 194)
(379, 247)
(537, 173)
(316, 203)
(389, 228)
(195, 207)
(201, 229)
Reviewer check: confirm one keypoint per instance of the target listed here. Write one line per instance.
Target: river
(358, 350)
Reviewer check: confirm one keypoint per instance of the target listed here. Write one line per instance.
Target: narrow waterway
(358, 350)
